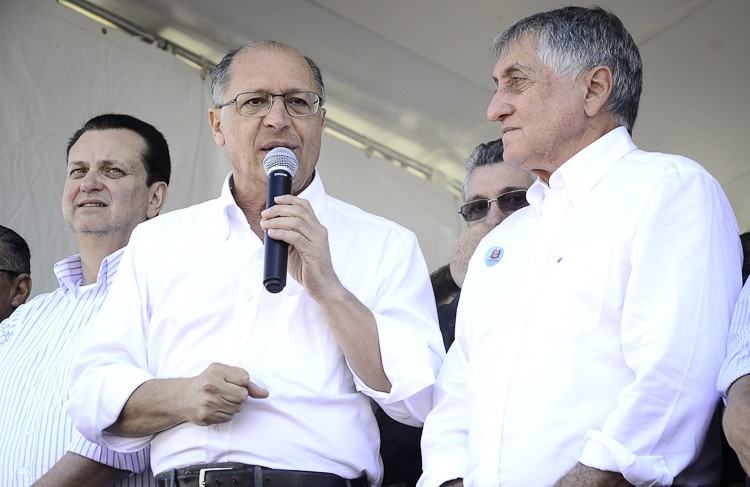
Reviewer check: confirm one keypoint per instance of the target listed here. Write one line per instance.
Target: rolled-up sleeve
(111, 363)
(411, 346)
(685, 277)
(136, 462)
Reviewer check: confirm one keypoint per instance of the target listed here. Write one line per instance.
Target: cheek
(69, 193)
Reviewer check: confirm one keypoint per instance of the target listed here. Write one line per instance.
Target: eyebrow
(515, 67)
(504, 190)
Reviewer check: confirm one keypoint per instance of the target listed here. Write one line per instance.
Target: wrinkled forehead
(261, 67)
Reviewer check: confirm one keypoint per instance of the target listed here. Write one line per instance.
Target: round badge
(493, 256)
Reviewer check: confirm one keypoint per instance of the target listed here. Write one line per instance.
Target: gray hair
(572, 40)
(14, 252)
(221, 73)
(484, 154)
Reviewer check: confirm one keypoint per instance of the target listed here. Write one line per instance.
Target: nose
(91, 182)
(498, 108)
(494, 216)
(277, 117)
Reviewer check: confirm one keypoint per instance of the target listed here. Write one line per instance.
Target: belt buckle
(202, 474)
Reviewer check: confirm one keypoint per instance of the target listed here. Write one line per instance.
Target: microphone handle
(276, 251)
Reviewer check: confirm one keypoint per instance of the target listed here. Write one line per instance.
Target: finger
(236, 375)
(290, 199)
(279, 210)
(289, 203)
(236, 396)
(293, 224)
(229, 407)
(257, 392)
(292, 237)
(219, 417)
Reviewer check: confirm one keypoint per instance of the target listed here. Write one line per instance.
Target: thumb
(255, 391)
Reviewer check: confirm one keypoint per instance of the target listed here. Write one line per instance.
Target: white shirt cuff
(606, 453)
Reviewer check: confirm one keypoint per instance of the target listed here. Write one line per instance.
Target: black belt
(230, 474)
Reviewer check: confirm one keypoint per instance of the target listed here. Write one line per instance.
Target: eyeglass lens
(299, 104)
(507, 202)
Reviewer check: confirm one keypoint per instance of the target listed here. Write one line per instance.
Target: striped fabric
(37, 345)
(737, 362)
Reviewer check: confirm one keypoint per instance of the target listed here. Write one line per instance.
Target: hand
(292, 220)
(583, 476)
(736, 420)
(218, 393)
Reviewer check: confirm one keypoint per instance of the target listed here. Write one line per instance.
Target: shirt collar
(578, 175)
(232, 214)
(69, 271)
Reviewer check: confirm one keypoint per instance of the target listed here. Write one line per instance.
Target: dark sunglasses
(507, 202)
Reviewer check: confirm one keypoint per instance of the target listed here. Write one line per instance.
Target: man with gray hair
(15, 271)
(231, 384)
(593, 322)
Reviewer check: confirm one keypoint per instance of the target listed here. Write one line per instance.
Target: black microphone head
(280, 159)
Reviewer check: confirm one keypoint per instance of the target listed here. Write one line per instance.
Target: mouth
(508, 129)
(92, 204)
(273, 145)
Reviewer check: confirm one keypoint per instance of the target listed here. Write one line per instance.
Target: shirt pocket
(574, 285)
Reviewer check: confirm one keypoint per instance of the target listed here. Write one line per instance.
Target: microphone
(280, 164)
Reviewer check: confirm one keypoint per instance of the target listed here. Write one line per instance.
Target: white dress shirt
(189, 293)
(737, 362)
(591, 326)
(37, 345)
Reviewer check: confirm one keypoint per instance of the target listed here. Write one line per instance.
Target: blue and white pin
(493, 256)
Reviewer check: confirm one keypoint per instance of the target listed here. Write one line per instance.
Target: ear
(157, 195)
(20, 290)
(598, 89)
(322, 118)
(214, 121)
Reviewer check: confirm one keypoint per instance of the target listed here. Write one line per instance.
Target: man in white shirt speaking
(229, 383)
(592, 324)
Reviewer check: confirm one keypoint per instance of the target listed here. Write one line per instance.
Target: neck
(93, 248)
(594, 131)
(250, 196)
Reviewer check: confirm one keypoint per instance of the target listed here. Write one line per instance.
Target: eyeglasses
(508, 202)
(259, 103)
(8, 271)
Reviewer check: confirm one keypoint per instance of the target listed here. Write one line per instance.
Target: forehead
(489, 181)
(274, 70)
(521, 54)
(121, 145)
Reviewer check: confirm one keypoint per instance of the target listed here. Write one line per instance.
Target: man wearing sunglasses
(592, 324)
(492, 191)
(15, 271)
(229, 383)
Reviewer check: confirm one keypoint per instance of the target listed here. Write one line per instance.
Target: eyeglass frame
(14, 273)
(489, 204)
(233, 101)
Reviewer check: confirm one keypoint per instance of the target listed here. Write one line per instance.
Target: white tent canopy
(412, 75)
(59, 69)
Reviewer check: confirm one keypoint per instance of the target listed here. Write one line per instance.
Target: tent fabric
(60, 68)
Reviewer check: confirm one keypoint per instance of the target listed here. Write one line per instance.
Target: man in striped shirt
(117, 175)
